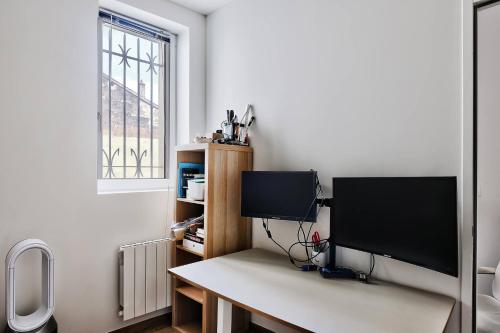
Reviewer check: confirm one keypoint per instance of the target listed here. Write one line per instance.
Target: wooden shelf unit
(226, 231)
(196, 294)
(197, 202)
(183, 248)
(192, 327)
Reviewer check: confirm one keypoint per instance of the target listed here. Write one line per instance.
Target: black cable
(270, 236)
(324, 243)
(301, 222)
(324, 247)
(372, 264)
(305, 242)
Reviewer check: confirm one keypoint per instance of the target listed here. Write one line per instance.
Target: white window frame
(115, 186)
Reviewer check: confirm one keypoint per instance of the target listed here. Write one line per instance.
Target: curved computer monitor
(412, 219)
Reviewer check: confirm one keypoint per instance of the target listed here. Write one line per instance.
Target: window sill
(115, 186)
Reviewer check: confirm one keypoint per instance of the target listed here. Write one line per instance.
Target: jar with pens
(235, 131)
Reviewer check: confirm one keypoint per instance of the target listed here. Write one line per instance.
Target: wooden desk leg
(224, 316)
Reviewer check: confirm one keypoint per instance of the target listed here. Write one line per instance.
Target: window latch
(99, 123)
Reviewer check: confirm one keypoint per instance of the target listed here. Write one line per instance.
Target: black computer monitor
(412, 219)
(281, 195)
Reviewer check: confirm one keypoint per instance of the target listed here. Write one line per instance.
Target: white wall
(349, 88)
(48, 85)
(488, 143)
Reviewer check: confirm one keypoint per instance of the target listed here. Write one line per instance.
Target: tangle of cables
(303, 237)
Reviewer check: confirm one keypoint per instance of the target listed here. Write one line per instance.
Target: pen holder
(228, 130)
(319, 258)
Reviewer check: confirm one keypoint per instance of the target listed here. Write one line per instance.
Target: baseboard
(161, 321)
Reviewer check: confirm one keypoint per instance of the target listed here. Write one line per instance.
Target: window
(134, 107)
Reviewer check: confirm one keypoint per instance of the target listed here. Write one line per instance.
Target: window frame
(125, 185)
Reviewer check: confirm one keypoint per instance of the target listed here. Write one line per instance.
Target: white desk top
(267, 283)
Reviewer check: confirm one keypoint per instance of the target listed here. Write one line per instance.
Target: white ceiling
(202, 6)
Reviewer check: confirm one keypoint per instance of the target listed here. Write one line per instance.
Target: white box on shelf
(196, 189)
(193, 246)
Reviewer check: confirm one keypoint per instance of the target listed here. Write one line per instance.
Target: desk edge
(241, 305)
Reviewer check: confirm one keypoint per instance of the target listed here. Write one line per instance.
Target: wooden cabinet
(226, 231)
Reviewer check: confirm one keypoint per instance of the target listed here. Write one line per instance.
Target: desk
(266, 283)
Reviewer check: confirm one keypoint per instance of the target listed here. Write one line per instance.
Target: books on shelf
(200, 233)
(187, 171)
(193, 238)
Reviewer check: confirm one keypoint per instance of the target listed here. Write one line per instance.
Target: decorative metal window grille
(134, 107)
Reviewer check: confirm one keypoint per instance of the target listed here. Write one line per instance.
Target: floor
(162, 330)
(163, 324)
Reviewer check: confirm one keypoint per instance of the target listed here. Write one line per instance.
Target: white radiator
(144, 282)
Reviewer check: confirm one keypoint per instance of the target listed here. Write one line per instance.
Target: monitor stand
(332, 271)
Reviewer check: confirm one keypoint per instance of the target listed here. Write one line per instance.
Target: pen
(251, 121)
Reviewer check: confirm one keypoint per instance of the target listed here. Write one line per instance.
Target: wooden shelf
(201, 147)
(179, 246)
(193, 327)
(196, 294)
(197, 202)
(193, 147)
(192, 309)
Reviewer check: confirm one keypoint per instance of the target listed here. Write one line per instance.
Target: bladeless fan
(40, 321)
